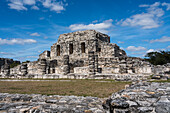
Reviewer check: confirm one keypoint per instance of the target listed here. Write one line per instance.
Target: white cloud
(155, 10)
(148, 20)
(53, 5)
(133, 48)
(168, 47)
(32, 57)
(35, 8)
(16, 41)
(163, 39)
(138, 53)
(5, 53)
(29, 2)
(17, 5)
(35, 34)
(144, 5)
(120, 42)
(102, 27)
(25, 58)
(47, 3)
(45, 37)
(144, 20)
(95, 21)
(57, 7)
(41, 18)
(150, 50)
(167, 5)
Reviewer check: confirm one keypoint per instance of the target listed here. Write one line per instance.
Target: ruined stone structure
(85, 54)
(5, 65)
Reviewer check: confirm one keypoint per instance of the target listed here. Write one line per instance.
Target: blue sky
(28, 27)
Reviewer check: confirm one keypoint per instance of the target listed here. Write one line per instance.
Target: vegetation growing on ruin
(97, 88)
(158, 57)
(27, 61)
(14, 64)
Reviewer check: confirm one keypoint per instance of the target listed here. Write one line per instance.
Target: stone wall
(45, 55)
(5, 66)
(78, 44)
(4, 61)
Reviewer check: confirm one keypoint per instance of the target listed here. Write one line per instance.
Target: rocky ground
(35, 103)
(142, 97)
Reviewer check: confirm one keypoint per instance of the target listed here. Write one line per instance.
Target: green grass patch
(96, 88)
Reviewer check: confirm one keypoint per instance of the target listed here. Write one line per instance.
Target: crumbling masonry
(84, 54)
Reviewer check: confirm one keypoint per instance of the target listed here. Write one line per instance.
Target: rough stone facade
(84, 54)
(5, 65)
(8, 61)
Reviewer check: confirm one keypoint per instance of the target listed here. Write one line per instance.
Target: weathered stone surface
(143, 97)
(34, 103)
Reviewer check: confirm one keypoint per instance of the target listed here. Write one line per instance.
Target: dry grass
(55, 87)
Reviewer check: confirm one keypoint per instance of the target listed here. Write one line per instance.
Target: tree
(14, 64)
(27, 61)
(158, 57)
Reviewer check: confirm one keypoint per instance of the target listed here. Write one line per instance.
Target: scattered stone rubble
(143, 97)
(84, 54)
(36, 103)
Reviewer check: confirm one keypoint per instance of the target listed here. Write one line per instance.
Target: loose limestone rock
(36, 103)
(142, 97)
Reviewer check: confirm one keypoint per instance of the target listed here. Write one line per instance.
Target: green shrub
(14, 64)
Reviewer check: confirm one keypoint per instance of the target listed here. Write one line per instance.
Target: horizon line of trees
(158, 57)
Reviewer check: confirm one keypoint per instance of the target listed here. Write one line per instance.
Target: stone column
(6, 70)
(24, 69)
(66, 68)
(93, 63)
(96, 63)
(42, 66)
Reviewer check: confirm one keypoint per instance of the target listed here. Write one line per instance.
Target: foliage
(27, 61)
(158, 57)
(14, 64)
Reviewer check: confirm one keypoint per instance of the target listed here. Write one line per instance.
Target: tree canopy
(158, 57)
(27, 61)
(14, 64)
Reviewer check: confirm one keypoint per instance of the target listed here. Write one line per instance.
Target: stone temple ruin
(84, 54)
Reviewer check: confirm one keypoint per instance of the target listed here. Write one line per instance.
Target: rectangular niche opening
(48, 53)
(71, 48)
(58, 50)
(83, 47)
(98, 48)
(53, 71)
